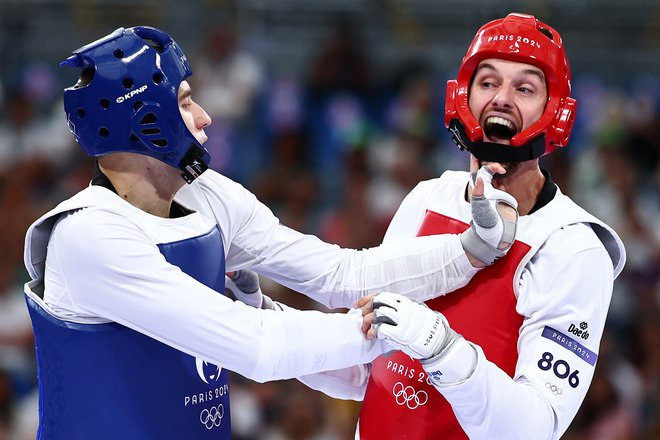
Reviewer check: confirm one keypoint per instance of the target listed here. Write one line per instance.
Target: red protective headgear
(520, 38)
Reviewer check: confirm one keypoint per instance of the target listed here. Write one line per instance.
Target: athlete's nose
(202, 119)
(503, 98)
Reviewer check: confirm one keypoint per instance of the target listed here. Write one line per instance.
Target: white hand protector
(490, 236)
(244, 287)
(423, 334)
(409, 325)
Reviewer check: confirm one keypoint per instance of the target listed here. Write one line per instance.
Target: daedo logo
(580, 331)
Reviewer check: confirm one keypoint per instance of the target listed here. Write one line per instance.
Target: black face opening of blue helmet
(126, 99)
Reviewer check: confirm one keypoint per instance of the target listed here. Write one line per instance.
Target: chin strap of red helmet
(492, 152)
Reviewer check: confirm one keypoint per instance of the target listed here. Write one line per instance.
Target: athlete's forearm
(348, 383)
(420, 268)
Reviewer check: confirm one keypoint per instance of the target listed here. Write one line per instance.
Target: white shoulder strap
(38, 234)
(563, 211)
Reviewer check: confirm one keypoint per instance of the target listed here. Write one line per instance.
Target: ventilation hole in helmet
(148, 131)
(134, 138)
(546, 32)
(160, 142)
(86, 76)
(118, 53)
(158, 77)
(149, 118)
(127, 83)
(104, 132)
(137, 105)
(157, 46)
(105, 103)
(80, 113)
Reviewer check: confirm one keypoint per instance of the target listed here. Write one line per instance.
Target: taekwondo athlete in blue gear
(106, 379)
(133, 337)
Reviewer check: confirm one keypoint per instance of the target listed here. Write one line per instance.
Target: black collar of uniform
(100, 179)
(548, 192)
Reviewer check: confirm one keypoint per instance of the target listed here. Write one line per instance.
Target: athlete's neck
(524, 183)
(143, 181)
(523, 180)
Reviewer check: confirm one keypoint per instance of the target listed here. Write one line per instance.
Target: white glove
(408, 325)
(490, 236)
(423, 334)
(243, 286)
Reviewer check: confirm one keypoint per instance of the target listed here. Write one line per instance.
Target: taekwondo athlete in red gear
(511, 354)
(133, 337)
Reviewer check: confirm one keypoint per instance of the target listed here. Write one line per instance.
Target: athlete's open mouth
(497, 128)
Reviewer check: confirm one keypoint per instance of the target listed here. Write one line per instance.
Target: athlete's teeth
(500, 121)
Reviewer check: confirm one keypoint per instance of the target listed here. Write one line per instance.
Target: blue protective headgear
(127, 99)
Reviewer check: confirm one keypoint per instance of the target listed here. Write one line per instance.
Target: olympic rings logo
(553, 388)
(408, 396)
(212, 417)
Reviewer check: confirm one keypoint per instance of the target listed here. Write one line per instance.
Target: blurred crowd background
(330, 111)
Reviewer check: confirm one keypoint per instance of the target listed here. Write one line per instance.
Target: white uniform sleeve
(420, 268)
(107, 268)
(564, 296)
(347, 384)
(410, 214)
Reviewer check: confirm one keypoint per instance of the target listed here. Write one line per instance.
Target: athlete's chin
(488, 162)
(509, 168)
(499, 141)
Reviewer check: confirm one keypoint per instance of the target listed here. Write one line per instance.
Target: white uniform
(562, 284)
(103, 265)
(335, 277)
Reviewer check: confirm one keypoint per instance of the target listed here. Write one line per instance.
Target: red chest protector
(400, 402)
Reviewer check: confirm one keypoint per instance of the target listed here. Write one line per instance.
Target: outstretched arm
(126, 280)
(347, 383)
(422, 267)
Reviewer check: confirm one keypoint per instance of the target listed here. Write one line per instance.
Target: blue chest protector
(106, 381)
